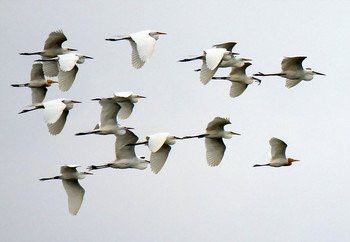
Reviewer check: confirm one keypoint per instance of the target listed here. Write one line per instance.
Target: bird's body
(293, 71)
(75, 192)
(278, 154)
(55, 113)
(126, 100)
(215, 147)
(108, 119)
(52, 48)
(239, 80)
(125, 154)
(219, 56)
(142, 44)
(38, 84)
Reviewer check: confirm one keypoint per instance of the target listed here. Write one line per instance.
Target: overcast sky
(187, 200)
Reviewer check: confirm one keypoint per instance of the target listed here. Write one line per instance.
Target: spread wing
(278, 148)
(292, 63)
(157, 159)
(55, 40)
(215, 149)
(75, 193)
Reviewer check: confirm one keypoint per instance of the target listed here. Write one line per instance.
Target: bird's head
(155, 34)
(290, 160)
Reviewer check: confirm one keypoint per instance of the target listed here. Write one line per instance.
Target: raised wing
(215, 149)
(156, 141)
(292, 63)
(69, 169)
(75, 193)
(278, 148)
(37, 72)
(144, 44)
(228, 45)
(217, 123)
(55, 40)
(239, 70)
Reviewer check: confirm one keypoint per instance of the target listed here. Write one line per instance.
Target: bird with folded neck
(108, 119)
(75, 192)
(219, 56)
(52, 48)
(38, 84)
(55, 113)
(125, 154)
(278, 154)
(293, 71)
(142, 44)
(215, 147)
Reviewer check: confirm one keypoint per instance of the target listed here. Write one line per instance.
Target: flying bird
(293, 71)
(75, 192)
(55, 113)
(142, 44)
(220, 55)
(38, 84)
(215, 147)
(278, 154)
(67, 68)
(126, 100)
(52, 48)
(108, 119)
(125, 154)
(239, 80)
(159, 145)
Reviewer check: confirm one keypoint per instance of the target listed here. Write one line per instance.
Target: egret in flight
(126, 100)
(52, 48)
(293, 71)
(220, 55)
(142, 44)
(159, 145)
(125, 154)
(239, 80)
(278, 154)
(38, 84)
(67, 68)
(55, 113)
(215, 147)
(108, 119)
(75, 192)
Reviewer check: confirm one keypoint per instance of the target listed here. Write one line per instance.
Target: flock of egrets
(62, 62)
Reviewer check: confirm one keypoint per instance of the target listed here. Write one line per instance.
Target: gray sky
(187, 200)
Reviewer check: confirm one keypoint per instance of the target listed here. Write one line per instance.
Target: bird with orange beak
(278, 154)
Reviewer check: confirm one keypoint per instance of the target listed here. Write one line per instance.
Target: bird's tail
(30, 53)
(191, 59)
(20, 85)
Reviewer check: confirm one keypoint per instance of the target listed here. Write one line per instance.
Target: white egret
(67, 68)
(75, 192)
(126, 101)
(125, 154)
(278, 154)
(159, 145)
(215, 147)
(108, 119)
(220, 55)
(52, 48)
(142, 44)
(55, 113)
(293, 71)
(38, 84)
(239, 80)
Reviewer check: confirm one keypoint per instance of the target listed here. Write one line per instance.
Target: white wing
(38, 94)
(217, 124)
(278, 148)
(122, 149)
(213, 57)
(56, 128)
(67, 61)
(126, 109)
(66, 78)
(37, 72)
(215, 149)
(135, 58)
(144, 44)
(156, 141)
(50, 68)
(206, 74)
(75, 194)
(109, 112)
(157, 159)
(53, 110)
(291, 83)
(122, 95)
(237, 88)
